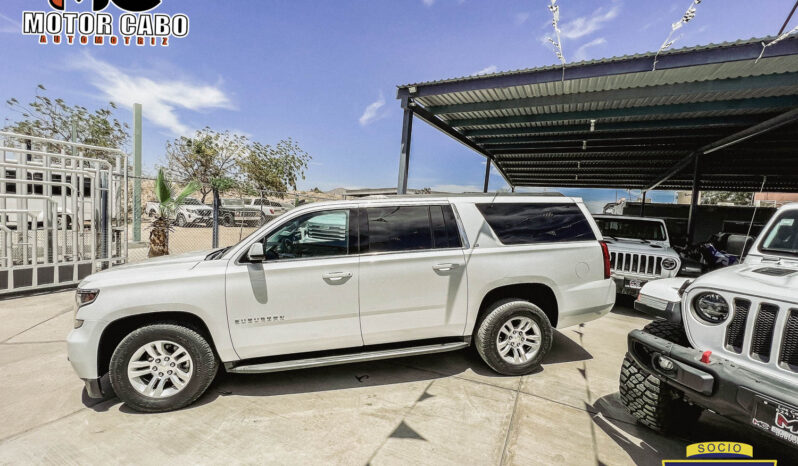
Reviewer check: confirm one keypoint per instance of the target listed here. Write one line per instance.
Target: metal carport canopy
(707, 118)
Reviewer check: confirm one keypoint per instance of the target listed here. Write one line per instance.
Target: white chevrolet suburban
(726, 341)
(346, 281)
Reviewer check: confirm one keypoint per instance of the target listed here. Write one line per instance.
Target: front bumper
(729, 390)
(623, 285)
(82, 345)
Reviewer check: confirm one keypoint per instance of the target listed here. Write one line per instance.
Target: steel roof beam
(667, 90)
(740, 136)
(498, 143)
(640, 64)
(761, 103)
(687, 123)
(436, 122)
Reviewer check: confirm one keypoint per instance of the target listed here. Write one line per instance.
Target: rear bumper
(764, 402)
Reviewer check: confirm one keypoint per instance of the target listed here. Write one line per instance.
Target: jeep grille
(765, 332)
(642, 264)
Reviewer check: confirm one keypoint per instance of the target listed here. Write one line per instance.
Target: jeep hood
(637, 246)
(762, 279)
(149, 270)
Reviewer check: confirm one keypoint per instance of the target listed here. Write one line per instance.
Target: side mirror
(256, 253)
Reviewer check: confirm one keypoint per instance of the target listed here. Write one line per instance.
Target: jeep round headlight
(669, 264)
(711, 307)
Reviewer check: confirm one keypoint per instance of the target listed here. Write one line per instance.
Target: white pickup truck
(346, 281)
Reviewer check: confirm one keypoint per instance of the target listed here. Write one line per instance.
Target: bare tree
(207, 156)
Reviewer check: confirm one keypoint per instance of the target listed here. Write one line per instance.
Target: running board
(346, 358)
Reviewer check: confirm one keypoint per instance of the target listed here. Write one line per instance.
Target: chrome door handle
(336, 275)
(444, 267)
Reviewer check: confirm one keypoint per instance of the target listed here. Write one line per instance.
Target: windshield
(782, 238)
(233, 202)
(631, 229)
(191, 201)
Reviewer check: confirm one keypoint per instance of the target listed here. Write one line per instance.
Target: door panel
(305, 296)
(412, 296)
(293, 306)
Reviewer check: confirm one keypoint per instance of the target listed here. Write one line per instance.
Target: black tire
(652, 402)
(180, 220)
(496, 316)
(205, 364)
(228, 221)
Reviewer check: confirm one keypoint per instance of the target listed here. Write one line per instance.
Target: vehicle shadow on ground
(646, 447)
(464, 363)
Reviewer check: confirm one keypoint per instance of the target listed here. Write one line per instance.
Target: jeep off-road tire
(517, 328)
(652, 402)
(160, 339)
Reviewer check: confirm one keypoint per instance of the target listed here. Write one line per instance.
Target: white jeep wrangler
(337, 282)
(640, 250)
(726, 341)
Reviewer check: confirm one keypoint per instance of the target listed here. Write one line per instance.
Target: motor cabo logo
(135, 25)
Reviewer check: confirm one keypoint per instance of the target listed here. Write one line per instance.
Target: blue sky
(325, 72)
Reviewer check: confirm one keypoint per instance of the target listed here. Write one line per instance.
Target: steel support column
(488, 162)
(404, 152)
(643, 205)
(694, 200)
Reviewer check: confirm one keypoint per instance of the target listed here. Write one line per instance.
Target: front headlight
(85, 297)
(669, 264)
(711, 308)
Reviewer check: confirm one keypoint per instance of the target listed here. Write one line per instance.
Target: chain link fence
(240, 213)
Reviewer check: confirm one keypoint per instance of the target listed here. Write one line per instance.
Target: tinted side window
(451, 228)
(537, 223)
(444, 227)
(317, 234)
(405, 228)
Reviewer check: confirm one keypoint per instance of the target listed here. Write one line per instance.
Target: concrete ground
(437, 409)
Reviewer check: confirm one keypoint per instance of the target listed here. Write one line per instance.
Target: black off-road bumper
(769, 404)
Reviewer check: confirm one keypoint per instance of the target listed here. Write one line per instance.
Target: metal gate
(63, 211)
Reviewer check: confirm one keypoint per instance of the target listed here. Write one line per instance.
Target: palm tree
(167, 208)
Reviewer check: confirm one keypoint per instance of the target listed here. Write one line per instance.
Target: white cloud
(585, 25)
(160, 99)
(9, 25)
(520, 18)
(373, 112)
(487, 70)
(581, 52)
(428, 2)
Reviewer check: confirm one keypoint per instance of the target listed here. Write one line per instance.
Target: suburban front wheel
(513, 337)
(162, 367)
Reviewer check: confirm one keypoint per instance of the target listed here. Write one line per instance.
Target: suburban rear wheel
(180, 220)
(652, 402)
(162, 367)
(513, 337)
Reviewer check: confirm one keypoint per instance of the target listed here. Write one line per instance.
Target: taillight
(606, 252)
(271, 211)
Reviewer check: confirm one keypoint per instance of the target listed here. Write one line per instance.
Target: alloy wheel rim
(160, 369)
(518, 340)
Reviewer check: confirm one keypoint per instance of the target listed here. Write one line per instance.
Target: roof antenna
(753, 216)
